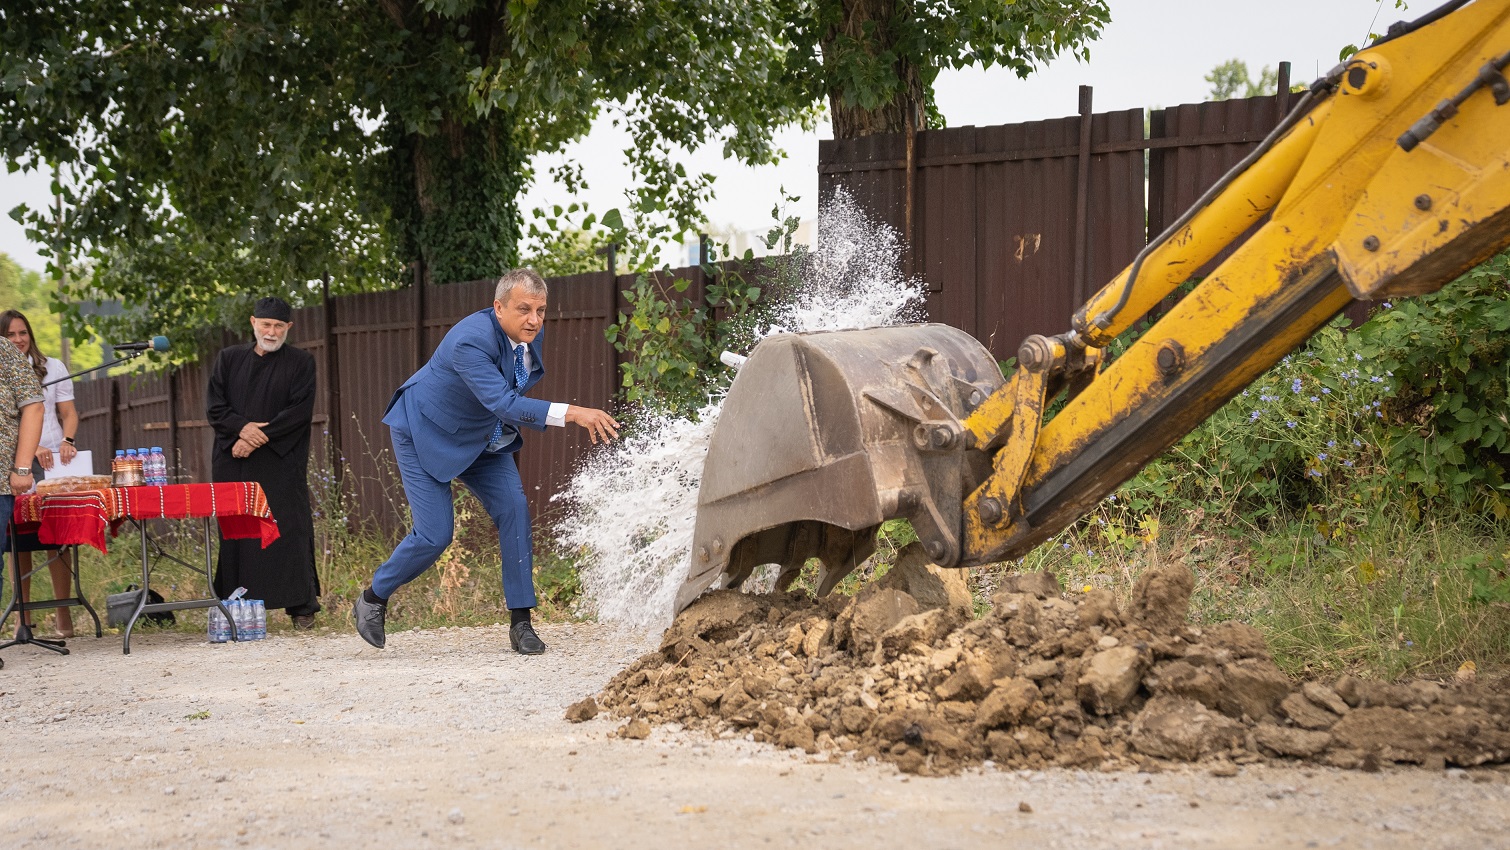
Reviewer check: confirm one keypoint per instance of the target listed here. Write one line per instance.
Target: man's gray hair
(529, 279)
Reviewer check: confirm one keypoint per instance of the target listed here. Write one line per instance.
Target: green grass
(1385, 600)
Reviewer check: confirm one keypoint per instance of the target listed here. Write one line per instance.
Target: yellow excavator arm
(1391, 177)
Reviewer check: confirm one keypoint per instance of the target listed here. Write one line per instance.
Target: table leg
(143, 606)
(78, 587)
(209, 578)
(141, 601)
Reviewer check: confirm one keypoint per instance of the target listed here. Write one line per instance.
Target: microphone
(157, 343)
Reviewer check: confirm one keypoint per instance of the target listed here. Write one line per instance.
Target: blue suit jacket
(451, 405)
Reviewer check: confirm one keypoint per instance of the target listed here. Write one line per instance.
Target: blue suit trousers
(494, 479)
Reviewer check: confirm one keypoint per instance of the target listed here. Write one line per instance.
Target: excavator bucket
(823, 437)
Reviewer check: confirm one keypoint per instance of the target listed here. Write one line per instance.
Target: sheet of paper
(83, 464)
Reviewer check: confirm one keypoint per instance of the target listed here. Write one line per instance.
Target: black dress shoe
(369, 619)
(524, 640)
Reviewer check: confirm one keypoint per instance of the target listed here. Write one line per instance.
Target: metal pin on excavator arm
(1391, 178)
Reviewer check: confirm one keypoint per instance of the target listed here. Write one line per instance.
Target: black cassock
(279, 389)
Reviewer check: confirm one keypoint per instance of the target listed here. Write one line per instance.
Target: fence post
(702, 270)
(114, 422)
(1082, 197)
(173, 417)
(419, 314)
(610, 254)
(909, 190)
(332, 385)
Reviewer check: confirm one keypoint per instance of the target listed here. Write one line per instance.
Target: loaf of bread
(72, 484)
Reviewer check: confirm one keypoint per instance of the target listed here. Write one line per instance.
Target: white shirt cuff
(557, 414)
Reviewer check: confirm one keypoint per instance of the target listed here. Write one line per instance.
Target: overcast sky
(1154, 53)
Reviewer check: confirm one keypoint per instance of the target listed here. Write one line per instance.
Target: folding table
(82, 517)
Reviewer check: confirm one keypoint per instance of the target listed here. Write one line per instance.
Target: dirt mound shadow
(1043, 679)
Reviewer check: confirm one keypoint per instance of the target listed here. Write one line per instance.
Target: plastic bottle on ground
(245, 626)
(219, 628)
(259, 620)
(233, 604)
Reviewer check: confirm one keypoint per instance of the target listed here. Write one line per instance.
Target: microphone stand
(127, 357)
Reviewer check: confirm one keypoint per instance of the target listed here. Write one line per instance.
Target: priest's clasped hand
(252, 434)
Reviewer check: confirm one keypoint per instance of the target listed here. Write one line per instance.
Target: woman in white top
(60, 421)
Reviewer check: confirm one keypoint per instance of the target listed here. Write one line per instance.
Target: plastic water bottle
(233, 605)
(149, 469)
(134, 476)
(259, 620)
(160, 465)
(220, 628)
(118, 469)
(246, 624)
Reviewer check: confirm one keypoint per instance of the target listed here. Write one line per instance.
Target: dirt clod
(1041, 680)
(635, 730)
(1161, 598)
(582, 711)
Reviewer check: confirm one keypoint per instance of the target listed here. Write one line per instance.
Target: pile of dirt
(1043, 679)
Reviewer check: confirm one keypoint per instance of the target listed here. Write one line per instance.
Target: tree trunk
(456, 199)
(852, 120)
(455, 190)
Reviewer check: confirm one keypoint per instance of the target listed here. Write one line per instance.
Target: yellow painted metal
(1011, 463)
(1293, 274)
(1250, 197)
(987, 422)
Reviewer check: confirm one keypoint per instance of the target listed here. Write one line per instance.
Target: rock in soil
(1043, 679)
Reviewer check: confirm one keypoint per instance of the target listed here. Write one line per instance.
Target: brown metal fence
(1011, 227)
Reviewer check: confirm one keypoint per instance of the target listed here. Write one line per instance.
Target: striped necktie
(521, 375)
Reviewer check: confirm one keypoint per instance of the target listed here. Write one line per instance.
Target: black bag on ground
(118, 607)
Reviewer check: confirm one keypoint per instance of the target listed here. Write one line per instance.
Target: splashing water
(853, 279)
(634, 507)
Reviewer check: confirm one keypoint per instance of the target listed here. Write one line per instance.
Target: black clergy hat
(273, 308)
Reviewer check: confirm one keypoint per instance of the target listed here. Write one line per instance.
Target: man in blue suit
(458, 418)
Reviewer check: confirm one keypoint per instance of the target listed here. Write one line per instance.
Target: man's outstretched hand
(600, 426)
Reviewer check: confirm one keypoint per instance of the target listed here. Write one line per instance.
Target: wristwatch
(20, 470)
(68, 440)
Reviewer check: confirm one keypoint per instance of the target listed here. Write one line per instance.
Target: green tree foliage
(1231, 79)
(35, 296)
(563, 248)
(875, 61)
(213, 152)
(216, 151)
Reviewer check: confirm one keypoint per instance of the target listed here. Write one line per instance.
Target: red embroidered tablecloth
(81, 517)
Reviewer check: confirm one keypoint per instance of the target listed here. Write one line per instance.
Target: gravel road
(447, 739)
